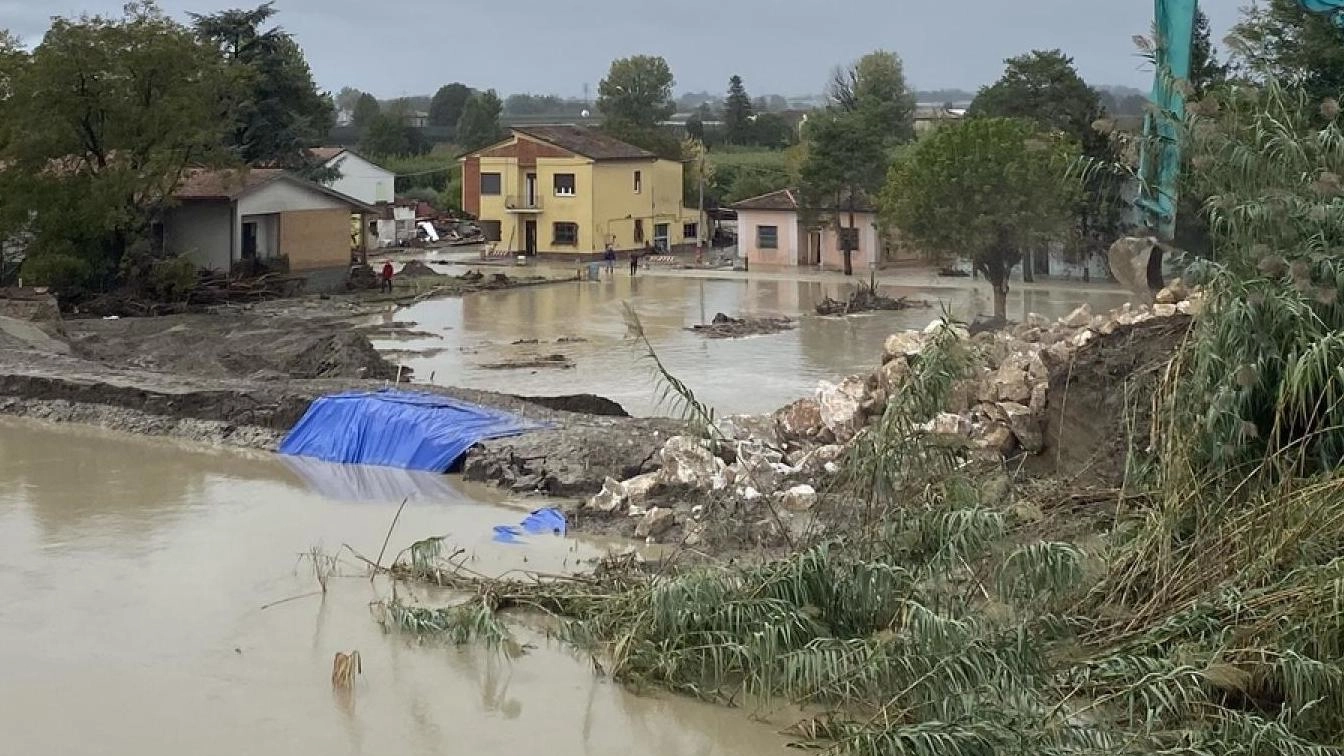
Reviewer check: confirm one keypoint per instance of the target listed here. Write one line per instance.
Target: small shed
(223, 217)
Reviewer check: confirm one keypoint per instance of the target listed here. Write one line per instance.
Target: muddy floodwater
(454, 340)
(134, 575)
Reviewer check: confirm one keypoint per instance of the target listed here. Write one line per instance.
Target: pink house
(770, 232)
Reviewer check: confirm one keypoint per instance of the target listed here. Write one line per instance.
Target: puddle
(754, 374)
(135, 571)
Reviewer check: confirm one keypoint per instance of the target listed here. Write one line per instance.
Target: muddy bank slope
(245, 381)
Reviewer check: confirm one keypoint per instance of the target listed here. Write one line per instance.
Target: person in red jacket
(385, 280)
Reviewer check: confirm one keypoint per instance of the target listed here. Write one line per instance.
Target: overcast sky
(777, 46)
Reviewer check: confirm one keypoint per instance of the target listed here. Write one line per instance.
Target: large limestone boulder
(799, 498)
(1025, 425)
(800, 421)
(611, 498)
(947, 429)
(639, 488)
(892, 376)
(656, 522)
(757, 428)
(841, 406)
(687, 462)
(1079, 318)
(905, 344)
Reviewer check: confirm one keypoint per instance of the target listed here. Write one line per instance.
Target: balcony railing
(523, 204)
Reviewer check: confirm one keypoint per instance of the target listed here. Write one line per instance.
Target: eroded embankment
(244, 381)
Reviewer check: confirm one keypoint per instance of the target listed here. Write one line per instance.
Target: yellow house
(569, 190)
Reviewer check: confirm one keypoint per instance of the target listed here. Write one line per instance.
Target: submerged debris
(523, 363)
(725, 327)
(865, 298)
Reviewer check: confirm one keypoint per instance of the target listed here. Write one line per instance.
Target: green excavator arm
(1137, 261)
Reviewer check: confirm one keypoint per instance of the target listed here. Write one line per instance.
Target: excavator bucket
(1136, 262)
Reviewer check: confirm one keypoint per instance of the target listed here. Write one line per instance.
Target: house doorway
(530, 190)
(530, 238)
(813, 248)
(249, 241)
(660, 237)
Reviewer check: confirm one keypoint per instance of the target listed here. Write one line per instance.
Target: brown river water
(748, 375)
(132, 579)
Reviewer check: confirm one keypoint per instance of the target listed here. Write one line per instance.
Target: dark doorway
(639, 230)
(249, 241)
(530, 237)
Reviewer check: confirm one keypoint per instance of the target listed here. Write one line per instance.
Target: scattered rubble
(725, 327)
(761, 476)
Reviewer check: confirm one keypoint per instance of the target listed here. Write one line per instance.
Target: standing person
(634, 261)
(385, 280)
(610, 257)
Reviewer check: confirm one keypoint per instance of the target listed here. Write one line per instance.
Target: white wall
(202, 230)
(283, 196)
(362, 180)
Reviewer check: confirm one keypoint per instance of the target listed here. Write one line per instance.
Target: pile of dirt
(580, 404)
(1100, 399)
(342, 355)
(240, 346)
(725, 327)
(417, 269)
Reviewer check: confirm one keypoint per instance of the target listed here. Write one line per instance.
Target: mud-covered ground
(244, 376)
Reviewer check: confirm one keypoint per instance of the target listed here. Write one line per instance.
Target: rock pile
(999, 411)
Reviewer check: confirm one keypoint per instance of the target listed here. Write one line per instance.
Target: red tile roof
(589, 143)
(784, 199)
(789, 200)
(324, 154)
(203, 184)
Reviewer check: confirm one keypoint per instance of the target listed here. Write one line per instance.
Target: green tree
(845, 165)
(770, 130)
(445, 110)
(366, 111)
(347, 99)
(385, 137)
(1043, 86)
(276, 110)
(636, 95)
(737, 113)
(1278, 40)
(100, 122)
(986, 188)
(479, 124)
(695, 128)
(875, 91)
(1206, 72)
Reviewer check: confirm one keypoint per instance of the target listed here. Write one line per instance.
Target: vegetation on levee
(1202, 615)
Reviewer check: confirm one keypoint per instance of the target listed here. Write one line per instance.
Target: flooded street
(755, 374)
(134, 574)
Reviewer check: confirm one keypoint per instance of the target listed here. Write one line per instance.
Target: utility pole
(702, 227)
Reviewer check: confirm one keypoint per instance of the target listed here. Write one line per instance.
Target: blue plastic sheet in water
(544, 521)
(413, 431)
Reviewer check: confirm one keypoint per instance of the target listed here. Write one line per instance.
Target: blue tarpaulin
(413, 431)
